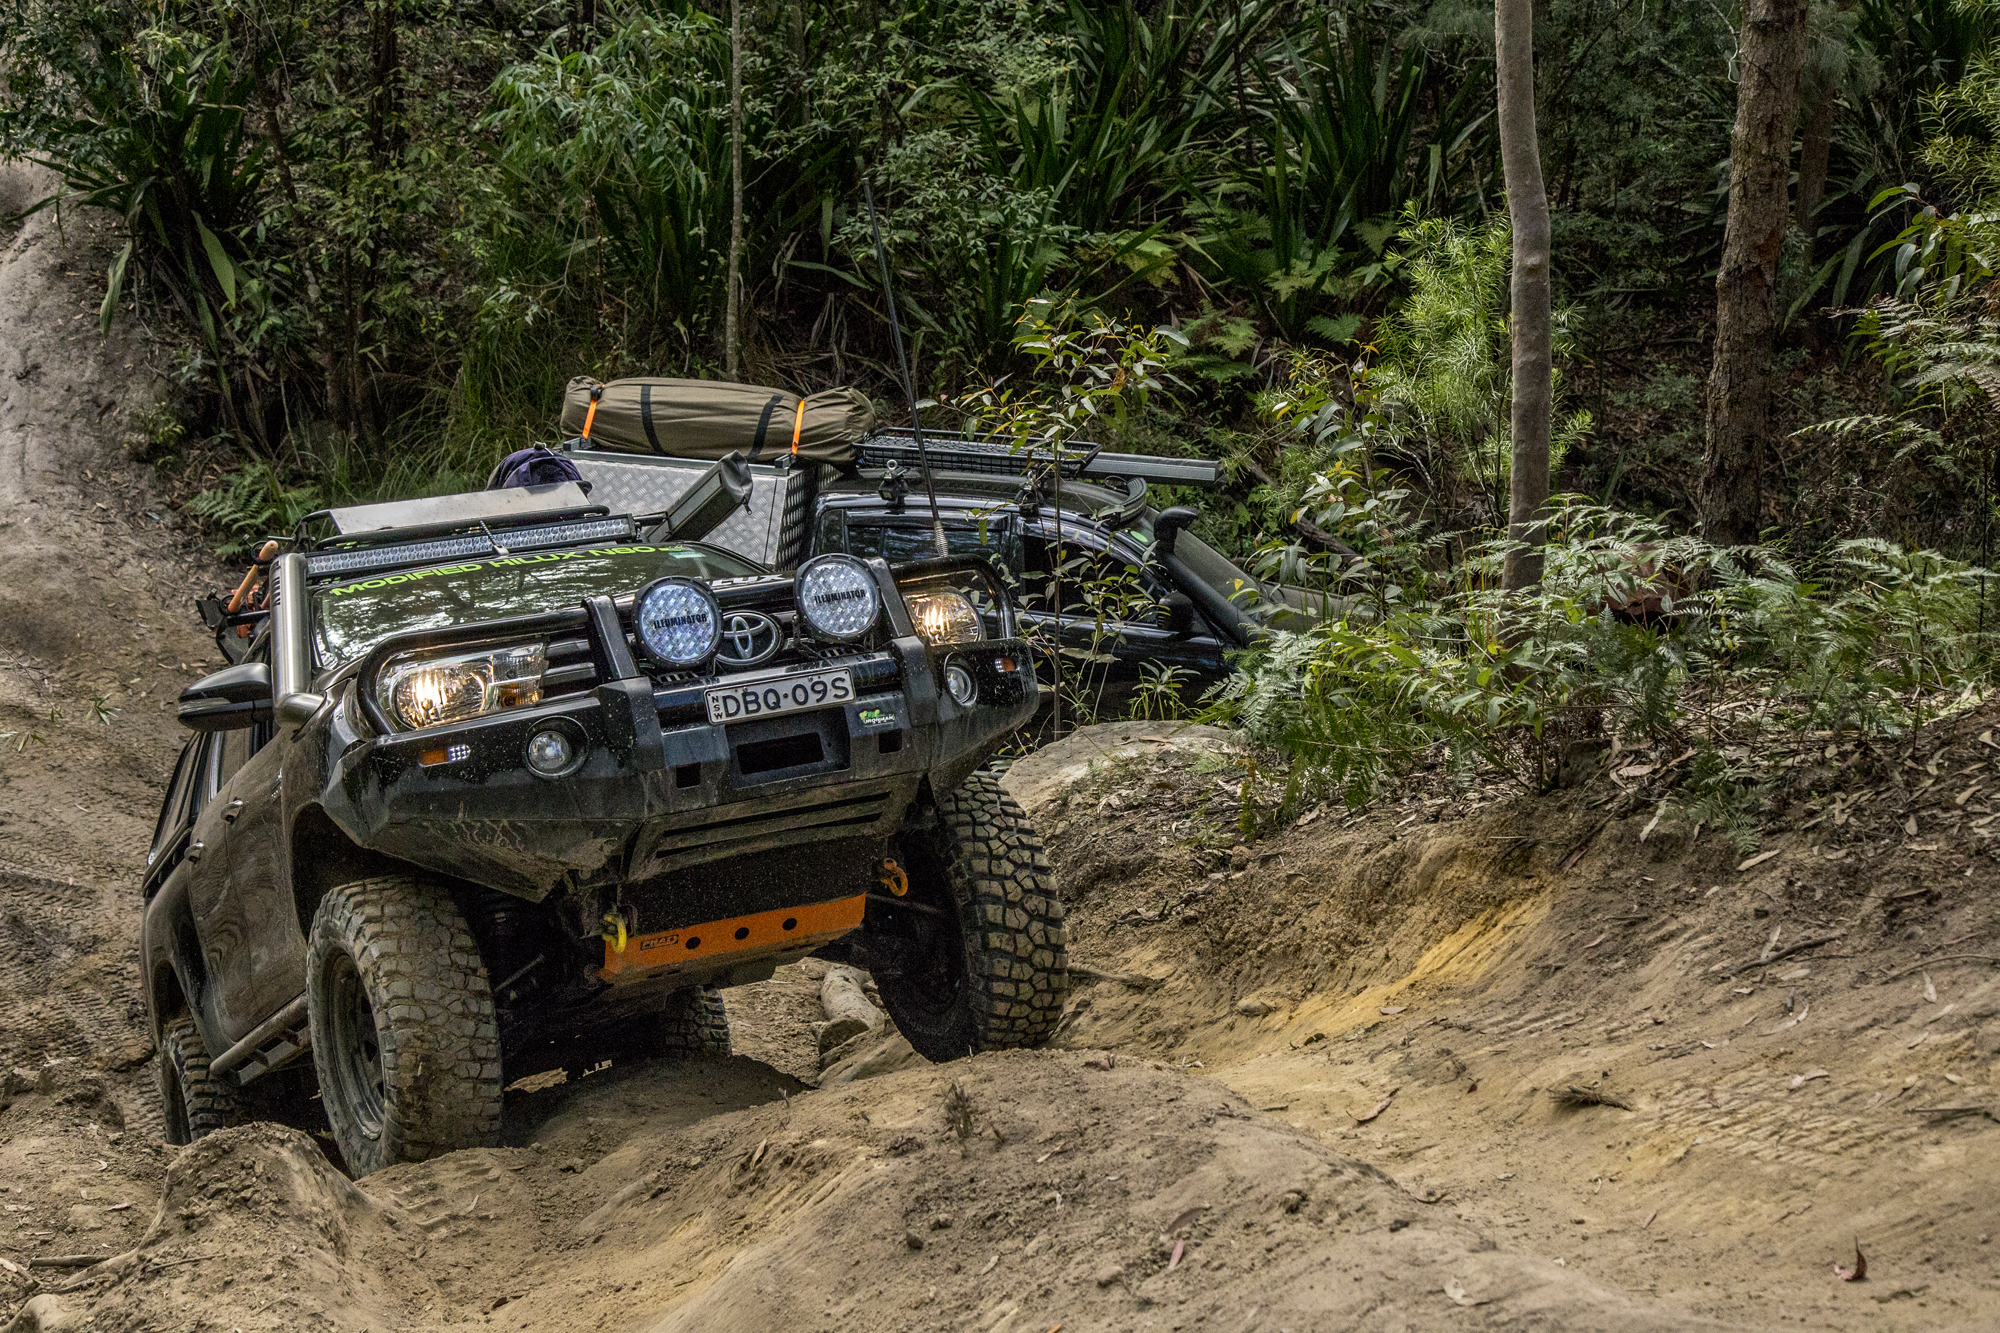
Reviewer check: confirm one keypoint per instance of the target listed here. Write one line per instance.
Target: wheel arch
(323, 858)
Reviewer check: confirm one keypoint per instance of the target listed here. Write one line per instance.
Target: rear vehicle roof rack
(989, 454)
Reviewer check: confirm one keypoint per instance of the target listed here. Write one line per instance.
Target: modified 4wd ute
(493, 768)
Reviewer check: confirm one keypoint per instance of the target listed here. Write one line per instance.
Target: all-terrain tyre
(194, 1101)
(692, 1022)
(990, 969)
(403, 1032)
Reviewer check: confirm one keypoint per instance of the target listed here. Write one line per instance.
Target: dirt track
(1442, 964)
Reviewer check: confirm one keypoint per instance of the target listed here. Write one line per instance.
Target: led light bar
(474, 544)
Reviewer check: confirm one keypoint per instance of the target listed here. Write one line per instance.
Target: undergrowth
(1635, 635)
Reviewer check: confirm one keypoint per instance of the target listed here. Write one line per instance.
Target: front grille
(571, 670)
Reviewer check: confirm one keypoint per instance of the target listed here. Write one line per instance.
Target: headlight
(677, 622)
(837, 596)
(943, 616)
(428, 690)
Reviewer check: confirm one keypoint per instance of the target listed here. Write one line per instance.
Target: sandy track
(1039, 1189)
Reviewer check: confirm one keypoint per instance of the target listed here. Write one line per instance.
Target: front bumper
(660, 789)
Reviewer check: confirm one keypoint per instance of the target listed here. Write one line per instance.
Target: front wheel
(403, 1032)
(986, 968)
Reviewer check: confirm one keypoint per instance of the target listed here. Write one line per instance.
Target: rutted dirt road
(1315, 1087)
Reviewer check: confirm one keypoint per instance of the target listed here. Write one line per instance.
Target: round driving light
(958, 682)
(837, 597)
(551, 754)
(677, 622)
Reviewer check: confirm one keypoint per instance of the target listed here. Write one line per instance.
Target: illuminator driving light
(837, 597)
(677, 621)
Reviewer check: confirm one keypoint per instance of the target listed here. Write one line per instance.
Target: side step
(272, 1044)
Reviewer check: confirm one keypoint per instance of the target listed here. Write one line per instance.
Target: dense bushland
(384, 235)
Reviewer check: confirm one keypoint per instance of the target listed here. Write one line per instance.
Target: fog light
(958, 682)
(551, 754)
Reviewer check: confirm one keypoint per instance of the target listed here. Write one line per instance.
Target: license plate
(787, 694)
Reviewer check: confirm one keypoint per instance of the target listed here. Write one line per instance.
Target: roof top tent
(642, 443)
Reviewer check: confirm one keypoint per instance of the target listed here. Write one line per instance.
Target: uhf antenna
(903, 363)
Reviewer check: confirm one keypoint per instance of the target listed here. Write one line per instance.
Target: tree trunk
(1772, 50)
(1528, 323)
(1815, 151)
(732, 315)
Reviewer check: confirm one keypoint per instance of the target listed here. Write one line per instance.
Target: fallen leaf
(1380, 1107)
(1791, 1022)
(1474, 1087)
(1760, 858)
(1635, 770)
(1858, 1273)
(1180, 1248)
(1394, 1008)
(1800, 1080)
(1655, 823)
(991, 1264)
(1599, 940)
(1910, 826)
(1930, 989)
(1455, 1291)
(1953, 1078)
(1649, 1219)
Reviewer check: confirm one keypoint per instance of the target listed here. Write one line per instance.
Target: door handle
(230, 811)
(194, 851)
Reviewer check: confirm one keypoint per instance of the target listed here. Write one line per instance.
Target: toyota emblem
(748, 637)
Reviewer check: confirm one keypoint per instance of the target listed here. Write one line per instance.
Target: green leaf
(218, 259)
(114, 287)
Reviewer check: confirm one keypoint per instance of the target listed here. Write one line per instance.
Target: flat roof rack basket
(972, 453)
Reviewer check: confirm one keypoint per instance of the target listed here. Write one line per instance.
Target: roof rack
(990, 454)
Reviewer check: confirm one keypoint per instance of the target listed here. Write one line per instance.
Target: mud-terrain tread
(1016, 946)
(206, 1103)
(693, 1022)
(440, 1043)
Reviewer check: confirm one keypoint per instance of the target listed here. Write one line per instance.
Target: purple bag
(532, 467)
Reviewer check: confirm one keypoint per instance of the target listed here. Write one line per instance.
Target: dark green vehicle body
(674, 852)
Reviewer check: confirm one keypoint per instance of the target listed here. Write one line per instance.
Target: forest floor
(1481, 1059)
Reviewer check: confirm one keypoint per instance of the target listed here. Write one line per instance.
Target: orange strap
(596, 392)
(798, 424)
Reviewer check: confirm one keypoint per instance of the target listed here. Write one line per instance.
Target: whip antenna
(903, 363)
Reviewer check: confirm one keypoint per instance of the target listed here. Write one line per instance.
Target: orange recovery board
(740, 937)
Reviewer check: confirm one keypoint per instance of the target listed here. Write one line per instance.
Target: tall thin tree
(732, 314)
(1771, 51)
(1534, 362)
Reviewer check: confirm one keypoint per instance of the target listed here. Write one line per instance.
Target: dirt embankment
(1315, 1091)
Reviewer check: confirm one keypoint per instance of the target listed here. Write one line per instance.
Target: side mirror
(1178, 612)
(1167, 529)
(238, 696)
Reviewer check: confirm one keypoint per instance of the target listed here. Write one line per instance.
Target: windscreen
(899, 543)
(352, 617)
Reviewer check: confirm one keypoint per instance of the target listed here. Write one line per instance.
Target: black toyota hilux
(490, 766)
